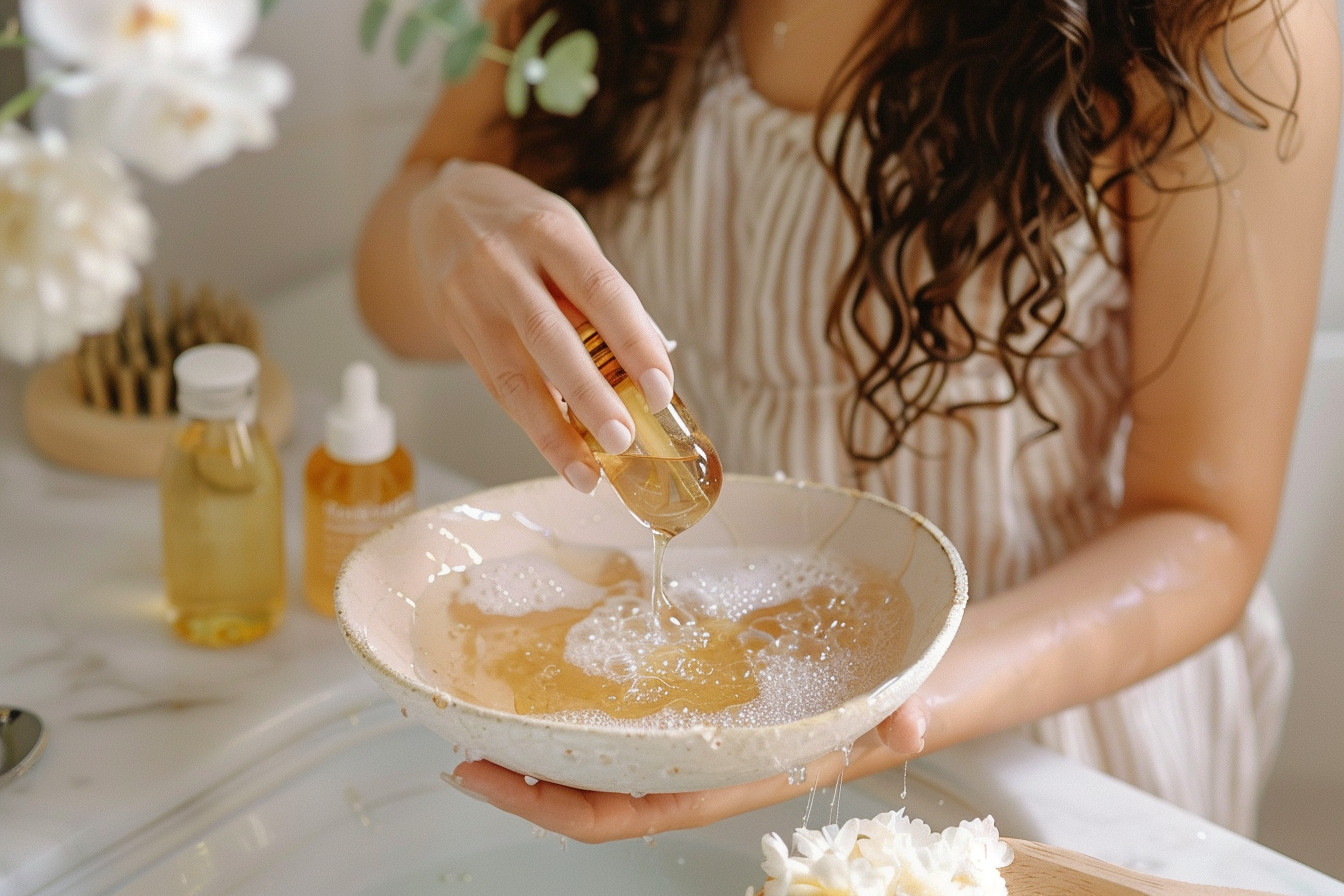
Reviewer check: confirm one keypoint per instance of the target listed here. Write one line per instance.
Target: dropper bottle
(358, 481)
(670, 476)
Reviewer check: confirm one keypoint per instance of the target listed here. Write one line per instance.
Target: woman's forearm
(1138, 598)
(387, 282)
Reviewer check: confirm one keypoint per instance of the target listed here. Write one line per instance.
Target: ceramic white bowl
(379, 586)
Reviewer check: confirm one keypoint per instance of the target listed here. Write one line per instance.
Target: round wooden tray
(65, 430)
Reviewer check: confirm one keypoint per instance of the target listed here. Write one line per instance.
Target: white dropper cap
(360, 430)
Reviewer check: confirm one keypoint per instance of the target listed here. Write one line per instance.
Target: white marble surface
(158, 749)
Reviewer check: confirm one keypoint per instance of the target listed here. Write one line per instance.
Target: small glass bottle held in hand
(669, 477)
(222, 506)
(358, 481)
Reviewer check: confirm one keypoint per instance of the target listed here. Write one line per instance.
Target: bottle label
(365, 519)
(346, 525)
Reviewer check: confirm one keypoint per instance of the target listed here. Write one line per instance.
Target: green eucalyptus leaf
(461, 53)
(569, 82)
(409, 35)
(453, 13)
(516, 88)
(371, 22)
(12, 38)
(19, 103)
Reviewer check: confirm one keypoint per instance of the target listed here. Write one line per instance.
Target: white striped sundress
(736, 257)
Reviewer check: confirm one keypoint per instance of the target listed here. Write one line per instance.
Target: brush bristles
(129, 370)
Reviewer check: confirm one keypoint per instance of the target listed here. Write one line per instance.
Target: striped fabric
(737, 256)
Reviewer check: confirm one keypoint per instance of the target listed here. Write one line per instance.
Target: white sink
(361, 809)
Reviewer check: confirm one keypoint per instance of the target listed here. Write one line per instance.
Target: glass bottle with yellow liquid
(670, 476)
(358, 481)
(222, 504)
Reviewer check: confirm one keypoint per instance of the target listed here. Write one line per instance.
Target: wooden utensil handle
(1041, 870)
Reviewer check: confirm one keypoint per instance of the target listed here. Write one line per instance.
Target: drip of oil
(668, 478)
(594, 649)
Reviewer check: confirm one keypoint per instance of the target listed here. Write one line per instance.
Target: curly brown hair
(975, 105)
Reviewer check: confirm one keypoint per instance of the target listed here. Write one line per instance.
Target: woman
(1046, 273)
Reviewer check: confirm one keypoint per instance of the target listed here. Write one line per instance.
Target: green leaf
(371, 22)
(12, 38)
(408, 36)
(569, 83)
(453, 13)
(267, 6)
(516, 88)
(460, 55)
(17, 105)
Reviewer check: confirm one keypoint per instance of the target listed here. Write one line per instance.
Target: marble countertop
(142, 727)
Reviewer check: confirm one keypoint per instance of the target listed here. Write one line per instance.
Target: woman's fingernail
(657, 389)
(455, 782)
(614, 437)
(581, 477)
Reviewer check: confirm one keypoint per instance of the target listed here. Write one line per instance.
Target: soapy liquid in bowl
(752, 637)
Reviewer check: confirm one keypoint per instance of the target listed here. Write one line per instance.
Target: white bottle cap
(217, 382)
(360, 430)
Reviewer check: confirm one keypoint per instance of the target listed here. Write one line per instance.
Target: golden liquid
(342, 505)
(223, 534)
(667, 494)
(688, 670)
(668, 479)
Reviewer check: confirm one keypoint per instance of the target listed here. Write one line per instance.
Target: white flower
(72, 232)
(171, 122)
(159, 81)
(109, 37)
(889, 855)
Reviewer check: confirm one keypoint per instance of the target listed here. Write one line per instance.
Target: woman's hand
(507, 269)
(595, 817)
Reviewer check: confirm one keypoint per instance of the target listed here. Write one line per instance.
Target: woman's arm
(471, 260)
(1225, 287)
(467, 122)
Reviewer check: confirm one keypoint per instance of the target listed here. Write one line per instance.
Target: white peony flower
(889, 855)
(72, 233)
(158, 81)
(172, 122)
(109, 37)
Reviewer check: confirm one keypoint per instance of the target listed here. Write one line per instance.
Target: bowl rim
(931, 654)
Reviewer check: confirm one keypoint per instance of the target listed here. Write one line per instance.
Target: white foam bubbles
(516, 586)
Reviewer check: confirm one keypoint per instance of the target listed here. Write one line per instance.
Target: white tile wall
(267, 218)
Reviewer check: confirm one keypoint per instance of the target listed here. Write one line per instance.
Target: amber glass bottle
(357, 482)
(670, 475)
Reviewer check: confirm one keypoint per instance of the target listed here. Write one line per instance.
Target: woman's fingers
(903, 731)
(597, 817)
(593, 816)
(602, 296)
(510, 269)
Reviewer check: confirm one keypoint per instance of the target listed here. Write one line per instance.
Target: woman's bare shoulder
(468, 120)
